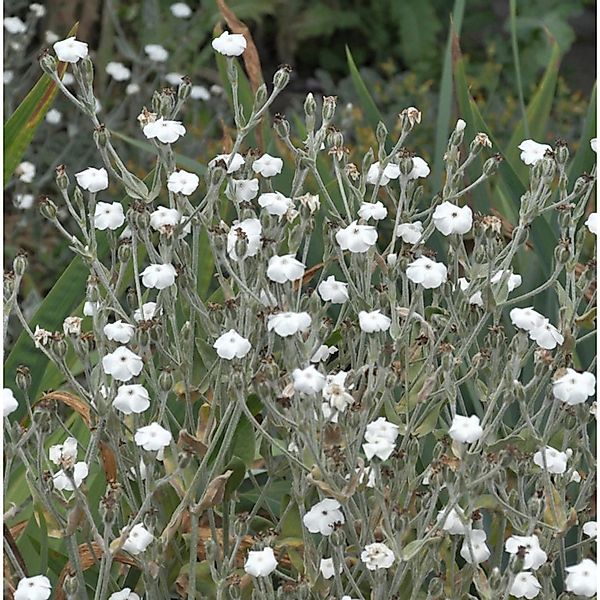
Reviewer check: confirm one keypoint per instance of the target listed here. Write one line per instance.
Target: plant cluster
(322, 382)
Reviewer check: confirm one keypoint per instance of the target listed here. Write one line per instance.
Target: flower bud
(70, 586)
(87, 70)
(23, 377)
(60, 347)
(548, 167)
(329, 104)
(335, 138)
(406, 165)
(282, 77)
(310, 105)
(435, 588)
(517, 562)
(62, 180)
(101, 135)
(20, 264)
(165, 380)
(495, 579)
(381, 133)
(261, 96)
(184, 89)
(561, 152)
(47, 208)
(124, 252)
(562, 253)
(338, 537)
(491, 165)
(48, 63)
(217, 173)
(281, 126)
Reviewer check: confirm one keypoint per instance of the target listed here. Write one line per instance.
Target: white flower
(322, 517)
(308, 381)
(480, 550)
(24, 201)
(371, 322)
(119, 332)
(267, 165)
(14, 25)
(132, 88)
(62, 482)
(379, 447)
(534, 556)
(153, 437)
(234, 162)
(381, 428)
(90, 308)
(147, 312)
(546, 335)
(333, 291)
(70, 50)
(25, 171)
(232, 345)
(526, 318)
(182, 182)
(590, 529)
(118, 71)
(288, 323)
(275, 203)
(453, 523)
(108, 216)
(9, 402)
(41, 336)
(370, 210)
(356, 238)
(335, 392)
(7, 77)
(581, 579)
(199, 92)
(465, 429)
(92, 180)
(285, 268)
(124, 594)
(531, 151)
(181, 10)
(594, 145)
(164, 216)
(138, 540)
(122, 364)
(592, 222)
(156, 52)
(159, 276)
(391, 171)
(428, 273)
(260, 563)
(242, 190)
(173, 79)
(64, 454)
(377, 556)
(67, 79)
(322, 353)
(410, 233)
(573, 387)
(132, 398)
(420, 168)
(525, 585)
(556, 461)
(165, 131)
(460, 126)
(327, 568)
(250, 230)
(53, 116)
(33, 588)
(230, 44)
(449, 219)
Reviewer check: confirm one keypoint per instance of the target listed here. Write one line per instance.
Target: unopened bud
(48, 208)
(23, 377)
(60, 347)
(87, 69)
(561, 152)
(381, 132)
(261, 95)
(329, 104)
(282, 77)
(548, 167)
(124, 252)
(491, 165)
(101, 135)
(281, 126)
(184, 89)
(165, 380)
(310, 105)
(20, 264)
(62, 180)
(48, 63)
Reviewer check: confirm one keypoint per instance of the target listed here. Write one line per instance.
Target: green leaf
(585, 157)
(238, 467)
(22, 124)
(244, 440)
(412, 548)
(442, 125)
(366, 101)
(537, 114)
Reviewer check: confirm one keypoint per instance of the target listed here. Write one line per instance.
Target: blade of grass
(22, 124)
(517, 62)
(442, 125)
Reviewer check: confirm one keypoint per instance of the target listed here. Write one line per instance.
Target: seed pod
(165, 380)
(23, 377)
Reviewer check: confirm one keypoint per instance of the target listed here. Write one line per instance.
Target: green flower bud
(184, 89)
(310, 105)
(165, 380)
(48, 63)
(561, 152)
(20, 264)
(491, 165)
(124, 252)
(495, 579)
(47, 208)
(23, 378)
(87, 70)
(261, 96)
(60, 347)
(101, 135)
(281, 126)
(381, 133)
(282, 77)
(329, 104)
(62, 180)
